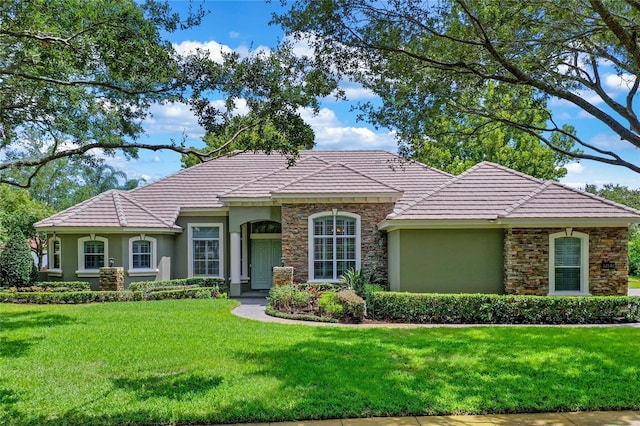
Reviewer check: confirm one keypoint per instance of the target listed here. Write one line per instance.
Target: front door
(265, 254)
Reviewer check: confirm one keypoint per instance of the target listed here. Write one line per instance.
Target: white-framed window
(93, 254)
(569, 263)
(334, 245)
(142, 256)
(55, 256)
(206, 250)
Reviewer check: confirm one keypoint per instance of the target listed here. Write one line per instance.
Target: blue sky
(241, 25)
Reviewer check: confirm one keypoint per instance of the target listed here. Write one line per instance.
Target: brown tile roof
(485, 192)
(257, 175)
(109, 209)
(490, 191)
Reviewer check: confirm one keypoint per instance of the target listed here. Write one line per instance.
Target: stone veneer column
(282, 275)
(526, 260)
(111, 279)
(295, 235)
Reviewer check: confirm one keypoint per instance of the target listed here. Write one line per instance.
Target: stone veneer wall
(112, 279)
(526, 260)
(295, 235)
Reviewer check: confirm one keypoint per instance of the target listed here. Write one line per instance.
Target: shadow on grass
(178, 386)
(356, 373)
(11, 347)
(32, 319)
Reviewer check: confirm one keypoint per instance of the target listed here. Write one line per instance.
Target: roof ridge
(437, 189)
(367, 176)
(144, 208)
(273, 172)
(506, 212)
(78, 208)
(299, 178)
(511, 171)
(122, 217)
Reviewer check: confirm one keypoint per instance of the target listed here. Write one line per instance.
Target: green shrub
(269, 310)
(321, 286)
(288, 298)
(104, 296)
(354, 308)
(58, 286)
(503, 309)
(329, 306)
(16, 263)
(216, 283)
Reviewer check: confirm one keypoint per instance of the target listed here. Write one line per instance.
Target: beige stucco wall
(446, 261)
(526, 268)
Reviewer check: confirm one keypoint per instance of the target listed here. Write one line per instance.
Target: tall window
(205, 250)
(92, 253)
(568, 263)
(141, 254)
(55, 254)
(334, 245)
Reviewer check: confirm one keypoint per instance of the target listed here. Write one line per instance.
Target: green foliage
(269, 310)
(289, 298)
(353, 306)
(634, 250)
(57, 286)
(328, 305)
(55, 297)
(16, 263)
(217, 283)
(504, 309)
(357, 280)
(464, 81)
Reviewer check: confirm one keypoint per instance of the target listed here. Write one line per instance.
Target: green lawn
(192, 361)
(634, 282)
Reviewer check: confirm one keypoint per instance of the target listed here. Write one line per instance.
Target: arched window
(142, 255)
(569, 263)
(334, 245)
(93, 253)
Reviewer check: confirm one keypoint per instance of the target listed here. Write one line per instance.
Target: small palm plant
(356, 280)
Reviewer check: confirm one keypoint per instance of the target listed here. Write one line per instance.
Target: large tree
(81, 75)
(457, 73)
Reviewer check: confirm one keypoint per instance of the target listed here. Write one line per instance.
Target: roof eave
(109, 229)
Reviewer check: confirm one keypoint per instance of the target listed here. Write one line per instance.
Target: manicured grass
(192, 361)
(634, 282)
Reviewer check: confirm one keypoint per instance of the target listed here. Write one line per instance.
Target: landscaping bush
(503, 309)
(354, 308)
(16, 263)
(290, 298)
(357, 280)
(56, 286)
(217, 283)
(105, 296)
(329, 306)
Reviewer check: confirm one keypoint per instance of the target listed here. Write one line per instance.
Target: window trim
(137, 272)
(56, 272)
(311, 236)
(584, 263)
(82, 272)
(221, 248)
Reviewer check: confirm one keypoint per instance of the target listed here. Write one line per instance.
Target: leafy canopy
(81, 75)
(463, 81)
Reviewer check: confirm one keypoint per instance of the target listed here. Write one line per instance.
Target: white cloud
(234, 34)
(214, 48)
(619, 83)
(173, 118)
(331, 134)
(609, 141)
(574, 168)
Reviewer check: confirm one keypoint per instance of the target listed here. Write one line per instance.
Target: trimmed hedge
(182, 282)
(269, 310)
(104, 296)
(55, 286)
(502, 309)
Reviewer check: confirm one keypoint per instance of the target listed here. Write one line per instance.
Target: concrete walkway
(592, 418)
